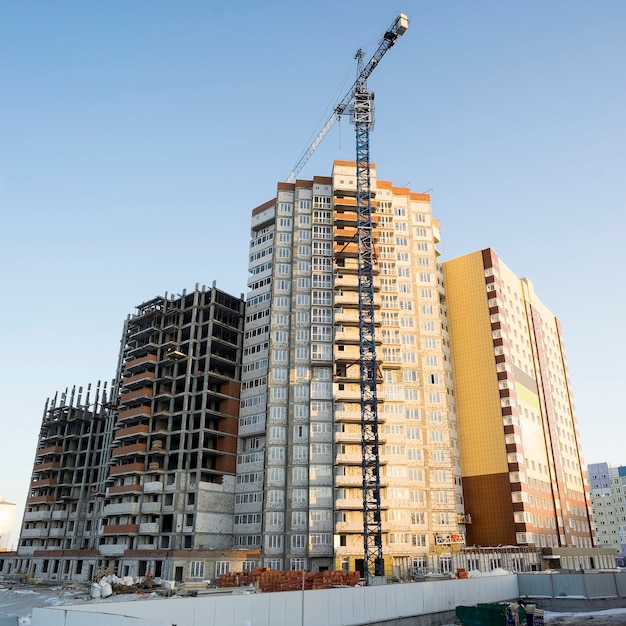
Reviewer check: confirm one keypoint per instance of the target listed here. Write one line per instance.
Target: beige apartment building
(299, 474)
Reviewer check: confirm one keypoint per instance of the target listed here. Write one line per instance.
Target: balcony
(350, 504)
(44, 482)
(128, 468)
(50, 465)
(132, 431)
(151, 507)
(121, 508)
(342, 249)
(351, 458)
(120, 529)
(39, 499)
(145, 393)
(343, 395)
(123, 489)
(117, 549)
(138, 380)
(139, 411)
(137, 448)
(34, 532)
(50, 450)
(37, 516)
(352, 417)
(153, 486)
(348, 528)
(142, 361)
(348, 481)
(149, 529)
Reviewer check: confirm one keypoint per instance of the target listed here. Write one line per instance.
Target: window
(436, 436)
(276, 453)
(414, 454)
(274, 541)
(298, 518)
(197, 569)
(437, 456)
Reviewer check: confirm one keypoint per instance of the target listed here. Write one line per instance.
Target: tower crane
(359, 102)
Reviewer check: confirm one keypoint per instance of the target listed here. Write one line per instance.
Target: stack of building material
(288, 580)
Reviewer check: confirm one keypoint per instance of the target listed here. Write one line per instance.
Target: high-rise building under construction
(299, 468)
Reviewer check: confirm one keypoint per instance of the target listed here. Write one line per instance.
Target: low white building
(7, 515)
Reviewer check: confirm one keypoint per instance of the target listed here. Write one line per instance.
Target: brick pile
(288, 580)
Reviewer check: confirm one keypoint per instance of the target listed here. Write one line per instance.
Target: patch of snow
(474, 573)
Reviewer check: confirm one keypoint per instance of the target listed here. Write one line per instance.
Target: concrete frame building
(299, 475)
(141, 478)
(523, 474)
(608, 498)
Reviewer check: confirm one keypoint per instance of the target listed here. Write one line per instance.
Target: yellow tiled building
(522, 470)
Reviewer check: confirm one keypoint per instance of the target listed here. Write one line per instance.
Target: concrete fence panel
(571, 585)
(620, 584)
(535, 585)
(352, 606)
(601, 585)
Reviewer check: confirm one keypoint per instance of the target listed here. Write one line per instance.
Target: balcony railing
(117, 549)
(120, 529)
(128, 468)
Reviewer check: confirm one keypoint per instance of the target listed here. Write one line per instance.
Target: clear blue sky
(136, 137)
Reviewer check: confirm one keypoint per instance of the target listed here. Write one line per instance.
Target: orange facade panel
(148, 359)
(122, 489)
(138, 448)
(51, 465)
(144, 376)
(144, 392)
(120, 529)
(44, 482)
(138, 411)
(39, 499)
(132, 431)
(128, 468)
(49, 450)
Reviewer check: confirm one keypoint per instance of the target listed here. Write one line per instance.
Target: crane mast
(370, 460)
(359, 102)
(363, 119)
